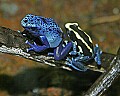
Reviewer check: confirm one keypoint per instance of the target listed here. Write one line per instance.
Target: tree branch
(101, 20)
(106, 79)
(105, 19)
(12, 42)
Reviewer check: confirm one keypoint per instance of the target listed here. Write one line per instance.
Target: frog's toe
(29, 49)
(27, 42)
(69, 60)
(97, 54)
(68, 63)
(100, 52)
(98, 60)
(73, 53)
(18, 31)
(50, 54)
(31, 45)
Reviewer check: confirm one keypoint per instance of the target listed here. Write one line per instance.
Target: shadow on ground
(77, 82)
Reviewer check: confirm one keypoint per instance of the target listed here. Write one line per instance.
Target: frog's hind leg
(60, 52)
(76, 65)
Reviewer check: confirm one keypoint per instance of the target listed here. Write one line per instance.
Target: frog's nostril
(38, 19)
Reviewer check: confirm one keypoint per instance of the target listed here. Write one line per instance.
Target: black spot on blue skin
(25, 21)
(50, 29)
(50, 23)
(33, 28)
(44, 20)
(32, 23)
(31, 16)
(38, 19)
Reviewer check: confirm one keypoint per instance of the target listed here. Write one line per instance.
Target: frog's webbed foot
(97, 54)
(35, 47)
(76, 64)
(82, 58)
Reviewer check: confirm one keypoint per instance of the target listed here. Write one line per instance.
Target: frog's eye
(31, 16)
(25, 20)
(76, 25)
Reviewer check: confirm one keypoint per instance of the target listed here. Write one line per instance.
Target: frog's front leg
(74, 51)
(37, 48)
(77, 65)
(80, 56)
(60, 52)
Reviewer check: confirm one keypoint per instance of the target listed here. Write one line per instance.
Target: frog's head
(37, 24)
(71, 30)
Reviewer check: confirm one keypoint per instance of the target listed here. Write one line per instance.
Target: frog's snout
(23, 22)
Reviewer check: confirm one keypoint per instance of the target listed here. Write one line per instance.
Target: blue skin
(50, 34)
(78, 62)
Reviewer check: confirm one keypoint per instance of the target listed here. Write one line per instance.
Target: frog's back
(52, 32)
(54, 36)
(83, 41)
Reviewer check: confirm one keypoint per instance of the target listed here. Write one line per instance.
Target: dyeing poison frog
(83, 49)
(50, 34)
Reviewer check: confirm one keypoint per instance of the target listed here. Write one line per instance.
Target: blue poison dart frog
(83, 49)
(49, 33)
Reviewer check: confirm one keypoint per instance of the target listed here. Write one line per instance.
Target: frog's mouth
(31, 29)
